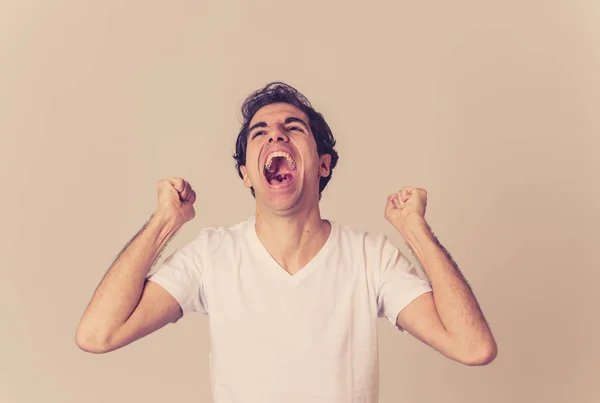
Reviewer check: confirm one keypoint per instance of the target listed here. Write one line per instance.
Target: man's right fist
(176, 199)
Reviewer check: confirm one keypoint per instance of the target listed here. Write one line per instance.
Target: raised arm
(125, 306)
(449, 319)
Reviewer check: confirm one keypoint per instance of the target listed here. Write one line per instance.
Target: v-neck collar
(263, 253)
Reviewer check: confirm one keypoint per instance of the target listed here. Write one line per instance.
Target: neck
(292, 238)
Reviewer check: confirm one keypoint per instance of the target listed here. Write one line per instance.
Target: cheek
(252, 166)
(250, 159)
(315, 160)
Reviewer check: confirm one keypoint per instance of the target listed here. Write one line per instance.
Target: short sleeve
(181, 274)
(399, 284)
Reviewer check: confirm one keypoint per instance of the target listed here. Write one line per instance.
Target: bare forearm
(455, 302)
(119, 291)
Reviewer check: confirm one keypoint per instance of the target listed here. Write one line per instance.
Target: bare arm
(449, 319)
(120, 290)
(125, 306)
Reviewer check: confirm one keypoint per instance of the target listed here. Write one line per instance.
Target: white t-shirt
(278, 338)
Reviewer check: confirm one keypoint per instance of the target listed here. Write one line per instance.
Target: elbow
(484, 355)
(91, 343)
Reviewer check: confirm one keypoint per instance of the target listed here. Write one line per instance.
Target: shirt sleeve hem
(180, 296)
(406, 299)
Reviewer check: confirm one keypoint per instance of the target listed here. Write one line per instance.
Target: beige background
(490, 106)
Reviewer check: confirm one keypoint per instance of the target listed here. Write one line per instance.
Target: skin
(294, 212)
(125, 307)
(448, 319)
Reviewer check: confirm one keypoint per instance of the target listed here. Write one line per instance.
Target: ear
(246, 178)
(324, 168)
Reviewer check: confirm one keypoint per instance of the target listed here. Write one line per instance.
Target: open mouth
(279, 168)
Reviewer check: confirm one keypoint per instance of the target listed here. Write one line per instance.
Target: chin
(283, 201)
(280, 202)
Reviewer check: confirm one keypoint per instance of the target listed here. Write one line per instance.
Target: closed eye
(290, 128)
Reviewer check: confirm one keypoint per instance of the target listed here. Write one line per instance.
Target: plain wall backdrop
(492, 107)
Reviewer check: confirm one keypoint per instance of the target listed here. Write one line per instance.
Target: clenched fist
(406, 204)
(176, 199)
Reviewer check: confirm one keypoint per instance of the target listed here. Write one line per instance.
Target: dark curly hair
(275, 92)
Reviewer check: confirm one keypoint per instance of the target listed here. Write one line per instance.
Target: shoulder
(211, 239)
(371, 250)
(359, 237)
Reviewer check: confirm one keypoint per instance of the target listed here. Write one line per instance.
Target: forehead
(277, 112)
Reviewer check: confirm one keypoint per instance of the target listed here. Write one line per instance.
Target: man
(292, 298)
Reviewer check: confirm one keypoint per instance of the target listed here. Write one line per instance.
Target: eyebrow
(287, 120)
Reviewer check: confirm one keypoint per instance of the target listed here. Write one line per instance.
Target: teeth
(287, 156)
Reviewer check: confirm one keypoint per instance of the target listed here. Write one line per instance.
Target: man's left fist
(407, 202)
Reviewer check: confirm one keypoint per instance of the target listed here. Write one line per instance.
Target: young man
(292, 298)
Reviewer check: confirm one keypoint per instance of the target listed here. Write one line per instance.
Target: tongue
(279, 168)
(284, 178)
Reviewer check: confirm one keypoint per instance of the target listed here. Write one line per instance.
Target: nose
(278, 134)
